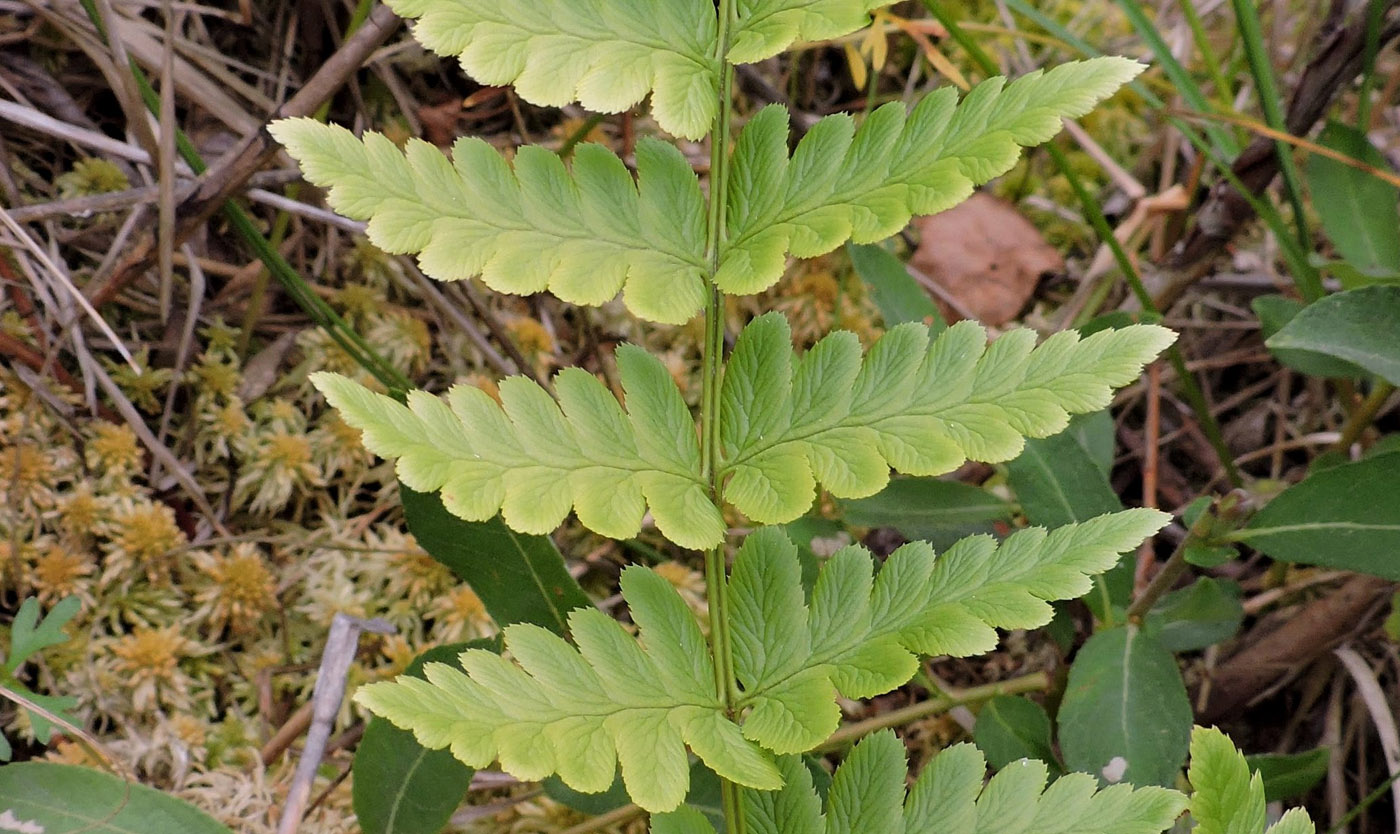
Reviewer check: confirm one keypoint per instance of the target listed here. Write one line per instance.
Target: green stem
(851, 733)
(1247, 19)
(1361, 418)
(1175, 565)
(712, 369)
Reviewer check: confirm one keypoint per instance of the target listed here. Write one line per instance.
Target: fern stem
(712, 369)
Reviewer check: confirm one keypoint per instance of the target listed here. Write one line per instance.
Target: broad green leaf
(1359, 211)
(928, 509)
(1058, 482)
(1287, 776)
(582, 712)
(526, 227)
(605, 55)
(1009, 728)
(867, 796)
(519, 578)
(864, 185)
(399, 787)
(1228, 799)
(896, 293)
(1200, 615)
(918, 404)
(67, 799)
(1064, 478)
(1356, 326)
(1125, 715)
(1346, 517)
(29, 633)
(533, 460)
(861, 634)
(1275, 311)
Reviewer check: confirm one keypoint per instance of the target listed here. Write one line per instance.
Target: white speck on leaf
(10, 822)
(1114, 770)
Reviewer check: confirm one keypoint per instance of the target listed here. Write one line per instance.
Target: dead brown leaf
(986, 256)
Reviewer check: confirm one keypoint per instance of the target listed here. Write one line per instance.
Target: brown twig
(230, 173)
(1279, 655)
(1337, 60)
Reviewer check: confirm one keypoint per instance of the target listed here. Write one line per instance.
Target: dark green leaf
(940, 512)
(65, 799)
(399, 786)
(1210, 555)
(1289, 776)
(1009, 729)
(896, 293)
(804, 533)
(1063, 479)
(1117, 319)
(1351, 277)
(1125, 713)
(1346, 517)
(1357, 326)
(520, 578)
(1059, 480)
(593, 804)
(1275, 311)
(1197, 616)
(1360, 212)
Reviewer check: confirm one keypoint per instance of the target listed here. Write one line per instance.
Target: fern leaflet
(842, 183)
(615, 699)
(922, 406)
(582, 235)
(867, 795)
(919, 405)
(533, 462)
(580, 713)
(1228, 799)
(605, 55)
(861, 633)
(767, 27)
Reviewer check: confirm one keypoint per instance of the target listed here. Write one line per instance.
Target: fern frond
(1228, 799)
(582, 234)
(767, 27)
(531, 461)
(867, 795)
(842, 183)
(605, 55)
(918, 405)
(581, 712)
(861, 634)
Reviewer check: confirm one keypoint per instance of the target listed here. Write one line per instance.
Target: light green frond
(867, 795)
(584, 234)
(862, 633)
(606, 55)
(864, 185)
(533, 460)
(920, 406)
(767, 27)
(581, 712)
(1228, 799)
